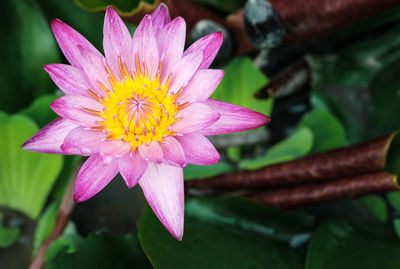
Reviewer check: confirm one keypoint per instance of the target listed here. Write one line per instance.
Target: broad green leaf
(328, 131)
(216, 239)
(376, 206)
(359, 84)
(68, 242)
(104, 251)
(297, 145)
(70, 165)
(192, 171)
(394, 199)
(124, 7)
(8, 236)
(341, 244)
(45, 226)
(26, 177)
(40, 111)
(242, 79)
(228, 6)
(28, 45)
(396, 224)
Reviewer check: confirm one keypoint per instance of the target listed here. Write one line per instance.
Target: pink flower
(143, 110)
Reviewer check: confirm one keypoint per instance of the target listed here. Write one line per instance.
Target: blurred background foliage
(345, 89)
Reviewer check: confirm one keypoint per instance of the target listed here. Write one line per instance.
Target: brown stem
(306, 19)
(287, 81)
(64, 212)
(348, 161)
(315, 193)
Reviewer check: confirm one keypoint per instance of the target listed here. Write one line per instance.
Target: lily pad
(26, 178)
(328, 131)
(192, 171)
(345, 245)
(216, 239)
(104, 250)
(297, 145)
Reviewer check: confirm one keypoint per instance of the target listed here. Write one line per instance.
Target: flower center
(137, 109)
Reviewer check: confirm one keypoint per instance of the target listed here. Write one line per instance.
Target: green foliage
(103, 251)
(297, 145)
(396, 224)
(376, 206)
(359, 84)
(124, 7)
(192, 171)
(228, 6)
(28, 45)
(40, 111)
(242, 79)
(394, 199)
(25, 177)
(328, 131)
(45, 226)
(340, 244)
(8, 236)
(218, 237)
(67, 243)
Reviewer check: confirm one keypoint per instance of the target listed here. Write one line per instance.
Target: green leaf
(104, 251)
(216, 237)
(45, 226)
(376, 206)
(394, 199)
(297, 145)
(68, 242)
(328, 131)
(124, 7)
(40, 111)
(228, 6)
(192, 171)
(26, 177)
(345, 245)
(396, 224)
(8, 236)
(242, 79)
(28, 45)
(359, 84)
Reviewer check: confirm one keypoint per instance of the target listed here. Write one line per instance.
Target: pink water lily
(143, 110)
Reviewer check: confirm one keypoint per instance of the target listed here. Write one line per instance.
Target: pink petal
(93, 176)
(72, 108)
(83, 141)
(151, 152)
(145, 46)
(68, 39)
(50, 137)
(162, 186)
(233, 119)
(198, 150)
(117, 40)
(184, 70)
(209, 45)
(202, 85)
(160, 18)
(171, 42)
(69, 79)
(80, 53)
(194, 117)
(173, 152)
(132, 168)
(113, 148)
